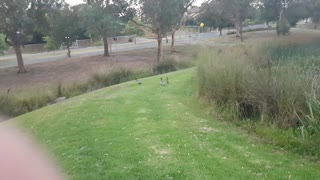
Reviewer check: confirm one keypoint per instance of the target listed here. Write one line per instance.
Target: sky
(75, 2)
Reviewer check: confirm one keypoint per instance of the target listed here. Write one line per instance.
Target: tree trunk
(17, 48)
(106, 46)
(69, 52)
(240, 29)
(173, 47)
(159, 55)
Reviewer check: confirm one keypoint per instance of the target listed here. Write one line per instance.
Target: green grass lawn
(132, 131)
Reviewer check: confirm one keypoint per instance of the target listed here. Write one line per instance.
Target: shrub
(3, 44)
(170, 65)
(17, 105)
(283, 26)
(51, 44)
(117, 76)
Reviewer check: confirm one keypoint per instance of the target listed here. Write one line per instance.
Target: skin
(22, 159)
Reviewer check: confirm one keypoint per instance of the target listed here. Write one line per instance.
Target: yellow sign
(202, 25)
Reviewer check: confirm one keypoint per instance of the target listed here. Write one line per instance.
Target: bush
(51, 44)
(17, 105)
(117, 76)
(283, 26)
(132, 29)
(170, 65)
(3, 44)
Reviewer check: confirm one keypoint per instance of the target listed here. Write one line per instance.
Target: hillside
(147, 131)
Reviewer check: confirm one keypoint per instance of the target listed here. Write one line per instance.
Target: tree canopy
(105, 18)
(20, 18)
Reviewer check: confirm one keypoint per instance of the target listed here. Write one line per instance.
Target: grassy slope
(152, 132)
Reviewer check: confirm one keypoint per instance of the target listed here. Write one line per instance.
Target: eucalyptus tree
(20, 18)
(105, 18)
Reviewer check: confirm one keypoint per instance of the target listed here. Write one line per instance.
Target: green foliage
(163, 16)
(64, 28)
(17, 105)
(132, 29)
(314, 10)
(170, 65)
(235, 11)
(283, 26)
(297, 12)
(3, 44)
(102, 20)
(270, 10)
(214, 16)
(105, 19)
(117, 76)
(51, 44)
(21, 18)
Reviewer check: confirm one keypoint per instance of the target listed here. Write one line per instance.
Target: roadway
(142, 43)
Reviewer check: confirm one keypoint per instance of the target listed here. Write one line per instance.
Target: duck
(162, 83)
(138, 81)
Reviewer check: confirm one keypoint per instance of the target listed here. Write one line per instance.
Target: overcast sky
(75, 2)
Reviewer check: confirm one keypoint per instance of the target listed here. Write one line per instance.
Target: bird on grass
(138, 81)
(162, 83)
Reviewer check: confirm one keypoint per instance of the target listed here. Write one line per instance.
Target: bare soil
(71, 70)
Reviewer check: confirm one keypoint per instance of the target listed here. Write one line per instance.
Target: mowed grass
(146, 131)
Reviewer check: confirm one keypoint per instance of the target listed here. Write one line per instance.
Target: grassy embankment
(35, 97)
(147, 131)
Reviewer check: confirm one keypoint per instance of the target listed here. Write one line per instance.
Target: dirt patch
(68, 71)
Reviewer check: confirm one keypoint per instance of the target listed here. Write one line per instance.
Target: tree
(313, 7)
(105, 18)
(182, 8)
(161, 18)
(213, 16)
(20, 18)
(270, 10)
(296, 11)
(65, 27)
(236, 11)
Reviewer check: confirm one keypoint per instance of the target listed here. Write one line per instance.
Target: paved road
(10, 60)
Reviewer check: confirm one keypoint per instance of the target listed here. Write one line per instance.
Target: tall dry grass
(275, 84)
(273, 81)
